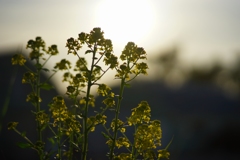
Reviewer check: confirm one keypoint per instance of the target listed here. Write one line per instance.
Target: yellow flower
(28, 77)
(123, 156)
(148, 136)
(42, 118)
(149, 154)
(163, 154)
(18, 59)
(63, 65)
(32, 97)
(122, 130)
(140, 114)
(119, 125)
(122, 141)
(103, 90)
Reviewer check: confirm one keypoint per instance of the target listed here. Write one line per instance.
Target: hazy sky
(203, 29)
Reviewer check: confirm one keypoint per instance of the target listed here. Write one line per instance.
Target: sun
(125, 20)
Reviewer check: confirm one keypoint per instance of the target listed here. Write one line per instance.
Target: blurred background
(193, 50)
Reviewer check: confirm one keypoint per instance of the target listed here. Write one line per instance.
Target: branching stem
(85, 129)
(116, 117)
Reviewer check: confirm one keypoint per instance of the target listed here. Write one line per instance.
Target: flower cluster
(123, 156)
(43, 119)
(18, 59)
(39, 45)
(91, 101)
(63, 65)
(96, 120)
(96, 43)
(105, 91)
(130, 57)
(52, 50)
(140, 114)
(33, 98)
(120, 125)
(148, 136)
(58, 110)
(62, 116)
(111, 60)
(71, 125)
(36, 47)
(122, 141)
(76, 84)
(163, 154)
(29, 77)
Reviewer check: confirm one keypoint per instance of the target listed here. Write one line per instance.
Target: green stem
(51, 76)
(59, 140)
(85, 129)
(38, 108)
(71, 147)
(46, 60)
(28, 140)
(107, 131)
(101, 75)
(116, 118)
(133, 145)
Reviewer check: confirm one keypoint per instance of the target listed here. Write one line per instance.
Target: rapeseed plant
(71, 126)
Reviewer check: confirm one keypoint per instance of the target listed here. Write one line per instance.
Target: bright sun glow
(125, 20)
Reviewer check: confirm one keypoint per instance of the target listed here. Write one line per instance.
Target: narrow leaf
(45, 86)
(45, 69)
(23, 145)
(88, 51)
(127, 85)
(105, 135)
(51, 140)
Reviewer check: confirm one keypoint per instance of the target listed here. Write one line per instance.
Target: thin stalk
(132, 78)
(133, 145)
(51, 76)
(27, 68)
(116, 117)
(107, 131)
(46, 60)
(38, 108)
(28, 140)
(85, 129)
(101, 75)
(71, 147)
(59, 141)
(52, 130)
(99, 59)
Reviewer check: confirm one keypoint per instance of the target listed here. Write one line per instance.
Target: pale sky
(203, 29)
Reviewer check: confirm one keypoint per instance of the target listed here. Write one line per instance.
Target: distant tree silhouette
(227, 78)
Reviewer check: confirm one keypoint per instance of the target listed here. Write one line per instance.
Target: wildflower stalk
(134, 154)
(38, 103)
(38, 107)
(70, 156)
(85, 128)
(59, 139)
(116, 118)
